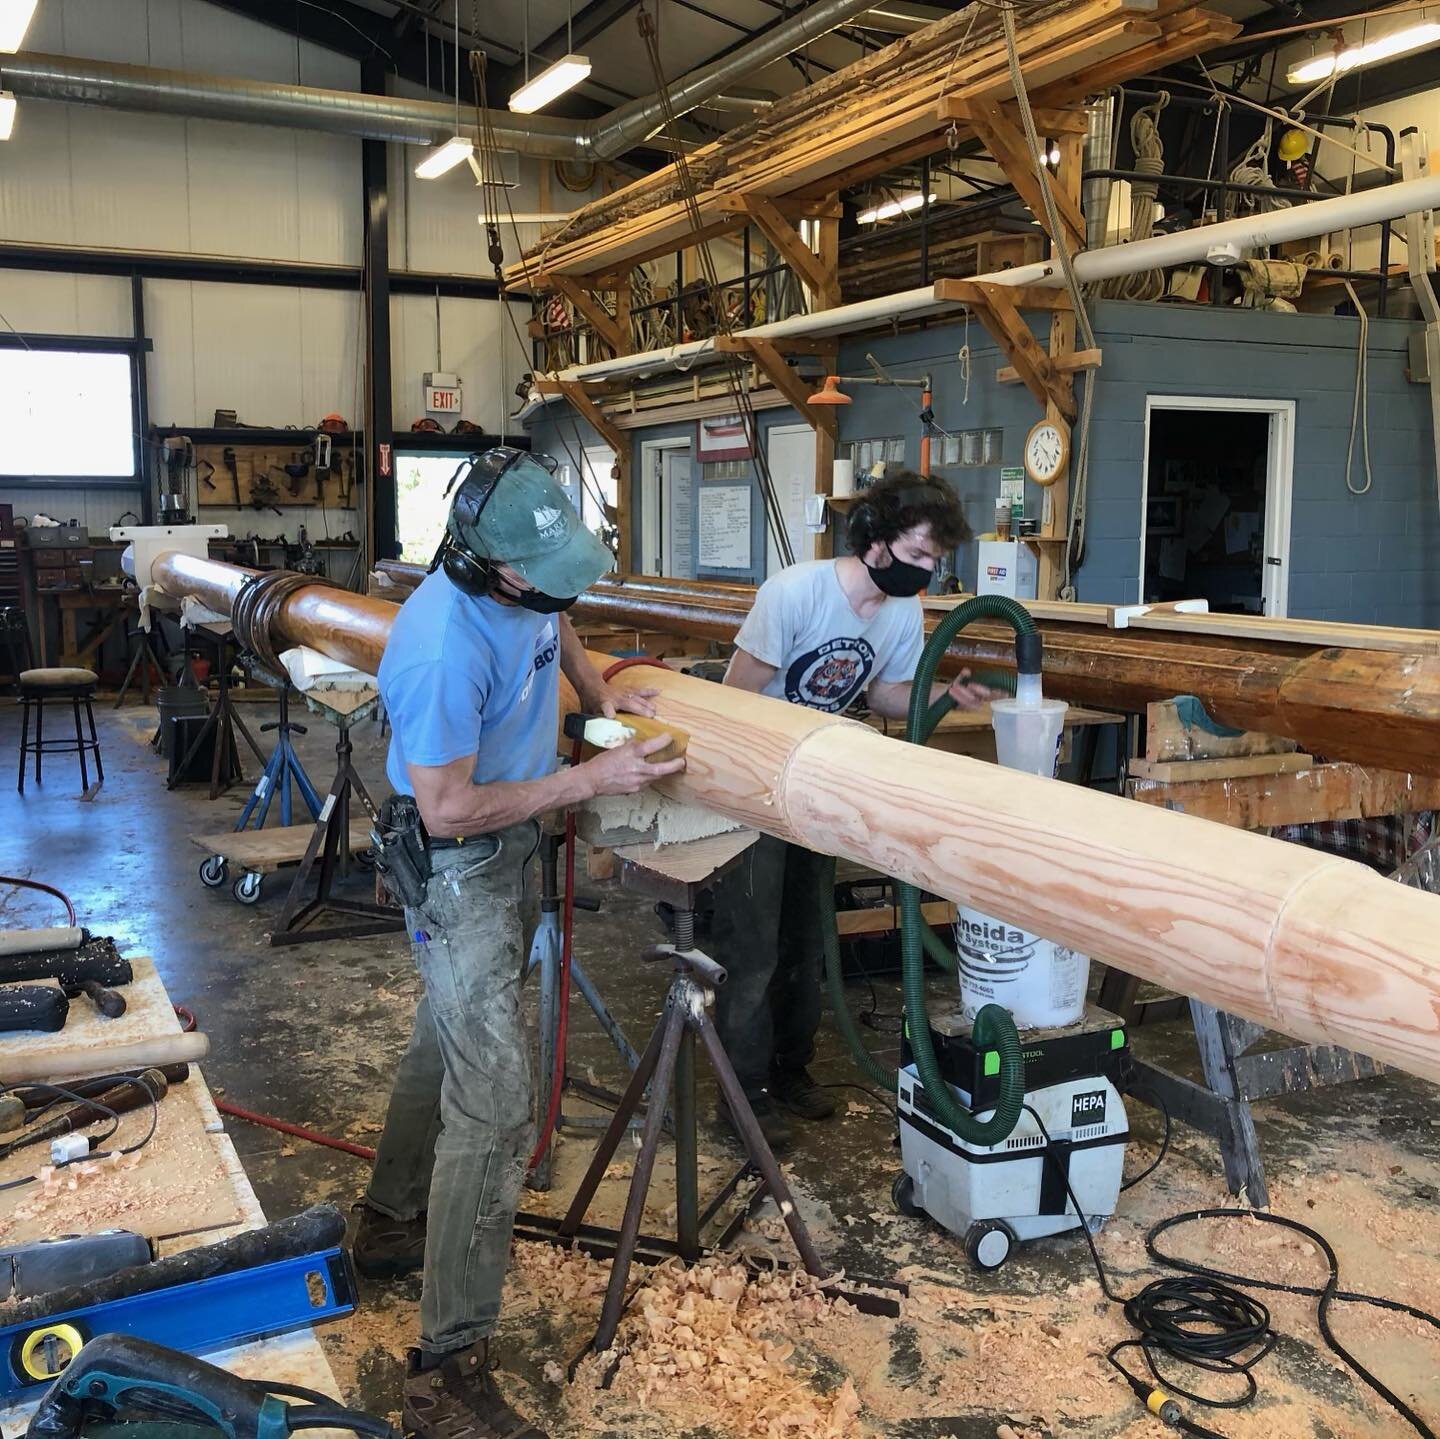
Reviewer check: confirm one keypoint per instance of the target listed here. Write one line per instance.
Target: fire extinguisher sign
(385, 460)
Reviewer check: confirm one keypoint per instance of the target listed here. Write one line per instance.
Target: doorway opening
(1215, 524)
(667, 503)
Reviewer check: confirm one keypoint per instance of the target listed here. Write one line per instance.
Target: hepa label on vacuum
(1087, 1108)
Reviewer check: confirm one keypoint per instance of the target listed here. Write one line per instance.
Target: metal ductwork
(625, 127)
(261, 102)
(411, 122)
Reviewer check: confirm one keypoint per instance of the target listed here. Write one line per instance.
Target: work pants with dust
(458, 1131)
(766, 932)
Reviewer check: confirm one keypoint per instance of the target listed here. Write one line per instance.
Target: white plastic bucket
(1041, 983)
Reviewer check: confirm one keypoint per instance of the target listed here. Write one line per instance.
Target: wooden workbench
(188, 1189)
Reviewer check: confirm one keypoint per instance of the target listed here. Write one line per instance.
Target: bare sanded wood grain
(1317, 947)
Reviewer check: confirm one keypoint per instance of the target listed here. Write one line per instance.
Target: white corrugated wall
(90, 177)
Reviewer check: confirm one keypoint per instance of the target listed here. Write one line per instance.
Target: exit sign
(443, 395)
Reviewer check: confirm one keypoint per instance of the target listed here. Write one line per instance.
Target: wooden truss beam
(604, 324)
(996, 308)
(820, 279)
(772, 364)
(999, 131)
(1066, 364)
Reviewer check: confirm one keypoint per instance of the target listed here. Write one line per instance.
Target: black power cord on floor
(1205, 1321)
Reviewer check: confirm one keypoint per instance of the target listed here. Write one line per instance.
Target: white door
(677, 485)
(790, 450)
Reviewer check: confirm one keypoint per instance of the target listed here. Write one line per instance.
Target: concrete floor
(312, 1034)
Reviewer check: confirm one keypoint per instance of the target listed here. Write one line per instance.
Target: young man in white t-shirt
(820, 634)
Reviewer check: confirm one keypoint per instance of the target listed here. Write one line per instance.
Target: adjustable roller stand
(281, 770)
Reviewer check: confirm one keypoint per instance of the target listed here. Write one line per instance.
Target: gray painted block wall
(1367, 559)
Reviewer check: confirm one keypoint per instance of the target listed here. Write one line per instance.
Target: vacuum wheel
(902, 1195)
(212, 871)
(988, 1243)
(246, 889)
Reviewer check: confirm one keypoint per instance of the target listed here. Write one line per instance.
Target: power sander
(120, 1387)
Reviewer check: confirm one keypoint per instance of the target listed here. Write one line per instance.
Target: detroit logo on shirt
(831, 675)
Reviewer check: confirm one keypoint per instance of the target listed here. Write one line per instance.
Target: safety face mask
(898, 579)
(538, 602)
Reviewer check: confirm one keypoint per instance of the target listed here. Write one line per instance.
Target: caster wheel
(212, 872)
(902, 1195)
(987, 1244)
(246, 889)
(364, 858)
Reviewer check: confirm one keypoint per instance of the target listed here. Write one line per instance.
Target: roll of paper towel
(844, 481)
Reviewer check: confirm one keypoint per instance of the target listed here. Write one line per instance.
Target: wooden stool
(35, 688)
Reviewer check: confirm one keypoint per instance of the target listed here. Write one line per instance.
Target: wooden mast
(1378, 707)
(1319, 947)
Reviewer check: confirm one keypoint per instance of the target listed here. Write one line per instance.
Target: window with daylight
(66, 413)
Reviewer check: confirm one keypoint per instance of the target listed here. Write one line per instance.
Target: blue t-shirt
(463, 675)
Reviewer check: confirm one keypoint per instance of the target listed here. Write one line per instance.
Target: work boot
(796, 1091)
(457, 1399)
(773, 1124)
(386, 1248)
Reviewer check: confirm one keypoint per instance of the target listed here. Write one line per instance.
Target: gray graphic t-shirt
(825, 654)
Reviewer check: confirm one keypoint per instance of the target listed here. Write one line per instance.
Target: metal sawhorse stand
(677, 876)
(1234, 1079)
(545, 955)
(221, 720)
(330, 842)
(281, 770)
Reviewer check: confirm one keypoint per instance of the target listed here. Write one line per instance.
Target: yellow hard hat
(1293, 144)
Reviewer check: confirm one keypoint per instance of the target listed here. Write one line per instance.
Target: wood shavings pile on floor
(711, 1344)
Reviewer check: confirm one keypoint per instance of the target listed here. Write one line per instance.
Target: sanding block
(598, 733)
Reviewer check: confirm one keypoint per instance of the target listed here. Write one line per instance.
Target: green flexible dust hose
(993, 1028)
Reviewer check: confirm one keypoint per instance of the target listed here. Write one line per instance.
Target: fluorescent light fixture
(891, 208)
(15, 17)
(567, 72)
(8, 106)
(444, 158)
(1397, 42)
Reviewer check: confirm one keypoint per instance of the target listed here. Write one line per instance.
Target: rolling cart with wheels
(253, 853)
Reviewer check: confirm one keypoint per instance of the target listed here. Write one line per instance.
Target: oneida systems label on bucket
(1039, 982)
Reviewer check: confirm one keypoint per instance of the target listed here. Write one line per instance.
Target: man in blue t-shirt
(470, 680)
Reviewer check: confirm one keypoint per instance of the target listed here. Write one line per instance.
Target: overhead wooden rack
(946, 82)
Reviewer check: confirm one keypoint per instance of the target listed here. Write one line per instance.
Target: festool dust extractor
(1016, 1091)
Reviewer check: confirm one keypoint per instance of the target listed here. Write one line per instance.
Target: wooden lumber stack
(890, 108)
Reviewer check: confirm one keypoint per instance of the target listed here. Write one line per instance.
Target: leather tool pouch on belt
(402, 850)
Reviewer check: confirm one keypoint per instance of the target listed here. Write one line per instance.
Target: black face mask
(898, 579)
(537, 601)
